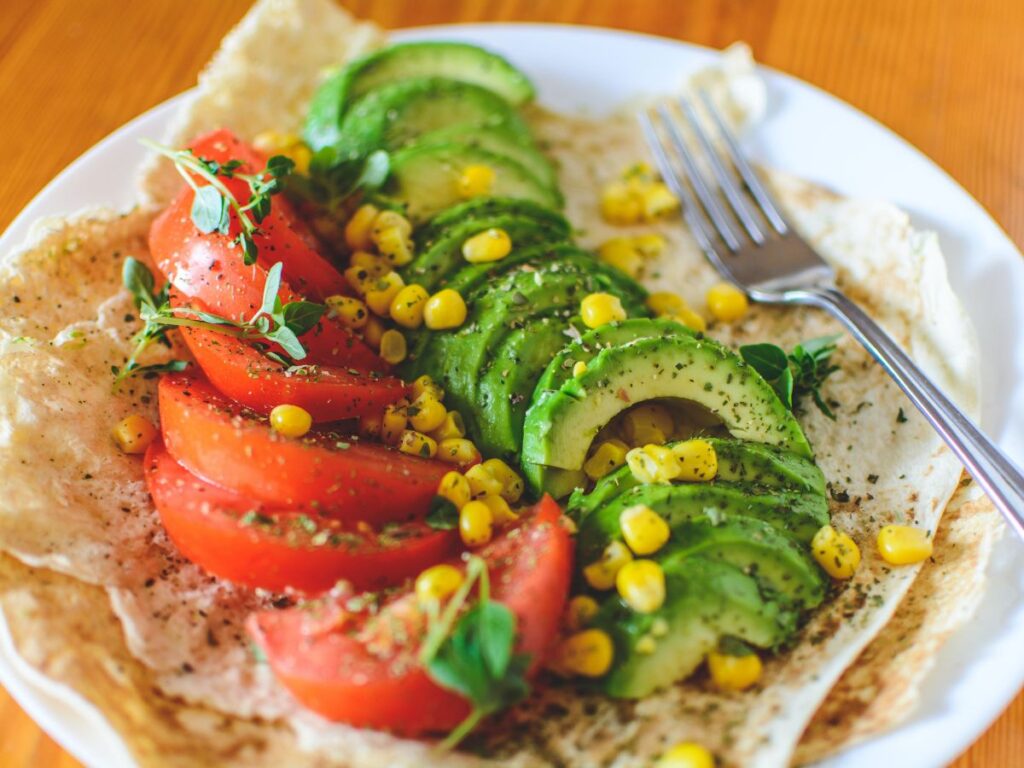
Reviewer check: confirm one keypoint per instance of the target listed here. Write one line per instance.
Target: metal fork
(741, 229)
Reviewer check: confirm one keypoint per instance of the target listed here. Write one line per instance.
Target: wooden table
(948, 76)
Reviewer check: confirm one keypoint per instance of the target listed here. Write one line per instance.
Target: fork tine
(725, 180)
(764, 198)
(707, 198)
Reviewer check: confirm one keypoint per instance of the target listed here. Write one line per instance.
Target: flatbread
(104, 604)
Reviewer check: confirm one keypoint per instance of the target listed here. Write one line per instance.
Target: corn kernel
(360, 278)
(407, 307)
(904, 544)
(351, 312)
(608, 456)
(686, 755)
(373, 331)
(598, 309)
(646, 645)
(395, 246)
(290, 420)
(417, 444)
(482, 482)
(641, 585)
(588, 653)
(393, 423)
(390, 220)
(836, 552)
(501, 512)
(452, 427)
(648, 423)
(134, 433)
(393, 348)
(621, 253)
(455, 487)
(511, 483)
(726, 302)
(487, 246)
(620, 204)
(457, 450)
(373, 264)
(659, 627)
(288, 144)
(601, 573)
(658, 200)
(698, 461)
(734, 673)
(653, 464)
(581, 609)
(579, 368)
(643, 529)
(381, 291)
(476, 180)
(438, 583)
(445, 309)
(691, 320)
(650, 245)
(476, 524)
(426, 413)
(426, 384)
(357, 229)
(665, 303)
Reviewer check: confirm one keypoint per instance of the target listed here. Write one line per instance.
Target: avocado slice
(457, 61)
(426, 178)
(560, 425)
(796, 514)
(738, 461)
(705, 599)
(485, 207)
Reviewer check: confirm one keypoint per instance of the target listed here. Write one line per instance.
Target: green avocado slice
(485, 207)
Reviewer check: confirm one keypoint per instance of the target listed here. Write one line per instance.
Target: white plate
(807, 133)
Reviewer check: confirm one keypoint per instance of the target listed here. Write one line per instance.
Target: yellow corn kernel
(511, 483)
(650, 245)
(904, 544)
(665, 303)
(620, 204)
(601, 574)
(621, 253)
(490, 245)
(501, 512)
(598, 309)
(290, 420)
(373, 264)
(734, 673)
(581, 609)
(588, 653)
(482, 482)
(648, 423)
(641, 585)
(836, 552)
(476, 180)
(607, 457)
(579, 368)
(438, 583)
(686, 755)
(476, 524)
(370, 425)
(698, 461)
(643, 529)
(417, 444)
(351, 312)
(393, 347)
(691, 320)
(457, 450)
(357, 229)
(426, 413)
(134, 433)
(381, 291)
(726, 302)
(393, 423)
(452, 427)
(407, 307)
(455, 487)
(393, 245)
(658, 200)
(373, 331)
(445, 309)
(653, 464)
(426, 384)
(388, 220)
(288, 144)
(659, 627)
(646, 645)
(360, 278)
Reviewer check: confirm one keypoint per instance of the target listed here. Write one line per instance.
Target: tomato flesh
(244, 542)
(342, 477)
(320, 658)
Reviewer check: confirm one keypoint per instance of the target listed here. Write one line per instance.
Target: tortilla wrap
(96, 597)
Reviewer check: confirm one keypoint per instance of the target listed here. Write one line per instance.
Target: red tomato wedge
(231, 537)
(319, 651)
(342, 477)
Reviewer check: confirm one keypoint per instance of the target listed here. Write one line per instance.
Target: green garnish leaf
(443, 514)
(801, 372)
(730, 645)
(210, 211)
(375, 171)
(767, 359)
(302, 316)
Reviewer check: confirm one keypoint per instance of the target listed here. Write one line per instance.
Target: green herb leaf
(443, 515)
(733, 646)
(767, 359)
(375, 171)
(301, 316)
(288, 341)
(271, 302)
(800, 373)
(210, 211)
(137, 278)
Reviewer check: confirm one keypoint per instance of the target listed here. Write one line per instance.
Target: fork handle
(993, 471)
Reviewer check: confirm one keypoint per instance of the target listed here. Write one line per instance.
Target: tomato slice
(339, 475)
(320, 652)
(237, 539)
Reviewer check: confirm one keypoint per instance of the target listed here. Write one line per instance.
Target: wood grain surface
(947, 76)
